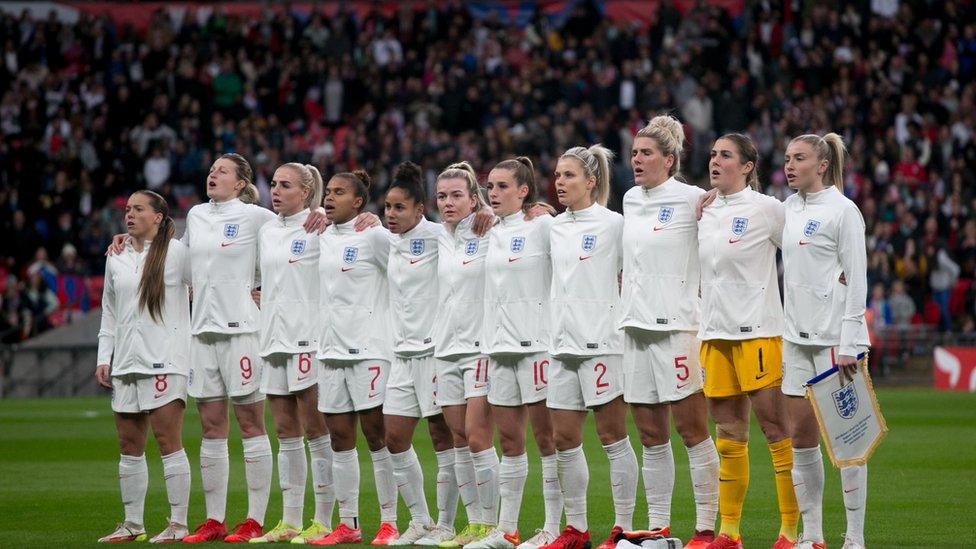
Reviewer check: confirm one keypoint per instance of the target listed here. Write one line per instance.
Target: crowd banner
(849, 415)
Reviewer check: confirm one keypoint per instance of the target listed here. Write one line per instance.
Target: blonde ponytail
(830, 148)
(596, 161)
(835, 166)
(463, 170)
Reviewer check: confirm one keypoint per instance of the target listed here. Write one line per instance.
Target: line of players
(499, 316)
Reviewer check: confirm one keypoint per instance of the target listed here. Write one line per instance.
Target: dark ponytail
(152, 285)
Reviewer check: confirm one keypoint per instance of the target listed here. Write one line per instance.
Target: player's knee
(736, 430)
(397, 441)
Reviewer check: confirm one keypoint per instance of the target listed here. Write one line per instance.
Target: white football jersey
(129, 339)
(461, 291)
(289, 286)
(518, 273)
(223, 242)
(824, 237)
(354, 295)
(737, 239)
(661, 269)
(585, 299)
(413, 288)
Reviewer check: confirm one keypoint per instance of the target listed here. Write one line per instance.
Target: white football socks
(447, 489)
(464, 471)
(292, 474)
(176, 473)
(321, 451)
(854, 481)
(345, 471)
(512, 473)
(486, 477)
(409, 479)
(133, 482)
(703, 465)
(258, 464)
(386, 491)
(574, 477)
(214, 470)
(623, 481)
(808, 483)
(658, 472)
(552, 494)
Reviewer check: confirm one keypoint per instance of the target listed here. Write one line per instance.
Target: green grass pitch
(58, 487)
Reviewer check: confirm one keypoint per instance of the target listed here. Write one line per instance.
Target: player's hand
(846, 368)
(118, 244)
(316, 222)
(366, 220)
(704, 201)
(256, 296)
(538, 209)
(484, 220)
(102, 375)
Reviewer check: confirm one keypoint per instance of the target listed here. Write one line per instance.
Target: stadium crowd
(91, 111)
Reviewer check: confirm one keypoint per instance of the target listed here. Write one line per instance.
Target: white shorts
(461, 378)
(410, 392)
(136, 393)
(224, 366)
(661, 367)
(584, 382)
(352, 386)
(802, 362)
(288, 374)
(517, 380)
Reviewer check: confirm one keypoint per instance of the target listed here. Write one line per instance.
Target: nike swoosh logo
(322, 486)
(537, 389)
(155, 397)
(598, 393)
(465, 484)
(303, 378)
(225, 244)
(618, 484)
(550, 481)
(656, 229)
(245, 383)
(248, 460)
(482, 483)
(345, 269)
(802, 243)
(582, 257)
(294, 260)
(483, 385)
(762, 376)
(513, 259)
(371, 395)
(733, 241)
(415, 261)
(468, 261)
(849, 491)
(683, 385)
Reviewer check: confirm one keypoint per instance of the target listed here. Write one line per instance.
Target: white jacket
(586, 259)
(737, 240)
(223, 242)
(518, 275)
(461, 292)
(129, 339)
(824, 237)
(354, 295)
(412, 275)
(289, 286)
(661, 270)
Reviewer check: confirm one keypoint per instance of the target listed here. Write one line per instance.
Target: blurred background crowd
(93, 109)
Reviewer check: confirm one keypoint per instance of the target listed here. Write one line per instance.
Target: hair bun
(463, 165)
(669, 124)
(408, 172)
(363, 176)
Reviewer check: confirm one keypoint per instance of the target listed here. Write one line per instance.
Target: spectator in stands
(901, 306)
(942, 280)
